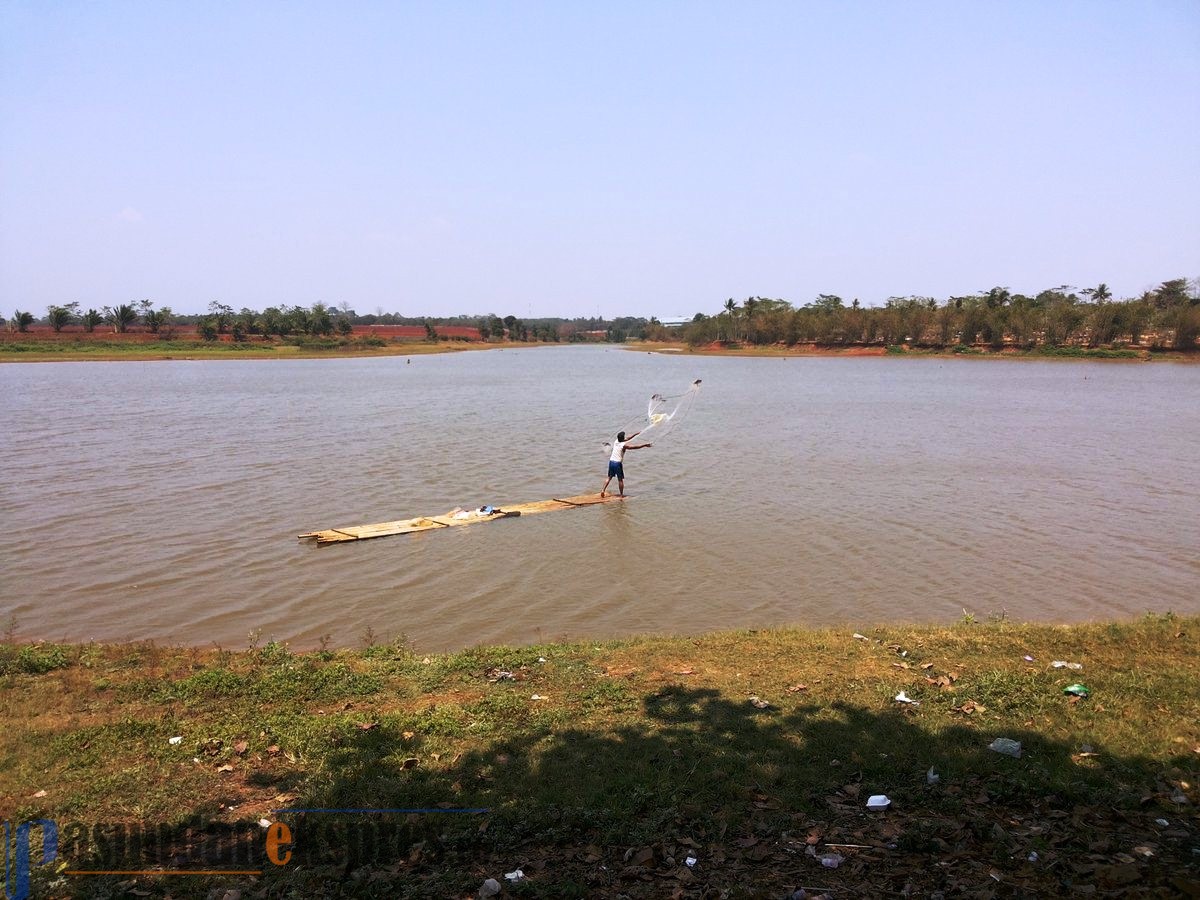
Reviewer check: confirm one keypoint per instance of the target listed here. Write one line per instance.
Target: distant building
(675, 321)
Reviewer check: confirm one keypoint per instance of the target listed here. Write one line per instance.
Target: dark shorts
(617, 469)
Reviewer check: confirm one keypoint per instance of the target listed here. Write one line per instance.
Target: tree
(166, 323)
(974, 319)
(731, 313)
(751, 306)
(221, 314)
(22, 320)
(90, 320)
(247, 321)
(60, 316)
(1135, 316)
(274, 321)
(1103, 321)
(1185, 321)
(1063, 318)
(208, 329)
(120, 317)
(156, 319)
(1024, 321)
(430, 332)
(997, 297)
(1172, 293)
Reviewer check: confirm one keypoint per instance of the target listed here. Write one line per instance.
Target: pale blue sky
(568, 159)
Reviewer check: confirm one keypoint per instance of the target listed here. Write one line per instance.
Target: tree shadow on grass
(755, 797)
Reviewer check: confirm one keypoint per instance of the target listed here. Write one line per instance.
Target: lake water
(162, 499)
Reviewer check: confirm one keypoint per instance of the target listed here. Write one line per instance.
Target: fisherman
(616, 460)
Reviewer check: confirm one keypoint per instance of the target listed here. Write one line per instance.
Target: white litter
(515, 876)
(537, 697)
(904, 698)
(932, 777)
(860, 637)
(1007, 746)
(1161, 822)
(690, 861)
(832, 860)
(1032, 857)
(265, 823)
(878, 801)
(1059, 664)
(176, 740)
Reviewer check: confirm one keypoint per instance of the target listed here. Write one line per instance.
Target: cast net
(663, 414)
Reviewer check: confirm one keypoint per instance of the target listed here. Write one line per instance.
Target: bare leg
(621, 485)
(605, 488)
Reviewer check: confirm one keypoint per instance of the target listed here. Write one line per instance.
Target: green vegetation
(603, 765)
(1053, 321)
(1061, 321)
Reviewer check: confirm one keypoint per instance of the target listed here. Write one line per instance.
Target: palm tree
(60, 316)
(156, 319)
(751, 305)
(22, 320)
(120, 317)
(731, 309)
(90, 320)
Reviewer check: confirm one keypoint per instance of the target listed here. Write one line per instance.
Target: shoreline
(227, 351)
(856, 352)
(596, 767)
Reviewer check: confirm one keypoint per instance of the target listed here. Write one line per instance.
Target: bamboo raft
(451, 519)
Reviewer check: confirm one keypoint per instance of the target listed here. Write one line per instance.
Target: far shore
(1135, 354)
(16, 349)
(199, 350)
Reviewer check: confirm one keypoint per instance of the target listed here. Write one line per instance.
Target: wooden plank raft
(433, 523)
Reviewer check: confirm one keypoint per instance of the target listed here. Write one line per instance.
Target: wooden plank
(431, 523)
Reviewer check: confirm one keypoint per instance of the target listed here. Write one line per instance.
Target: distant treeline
(318, 319)
(1166, 317)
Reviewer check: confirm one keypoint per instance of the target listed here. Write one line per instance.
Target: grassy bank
(604, 767)
(17, 350)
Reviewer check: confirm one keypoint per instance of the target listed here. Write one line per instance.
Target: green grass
(643, 744)
(1085, 353)
(32, 349)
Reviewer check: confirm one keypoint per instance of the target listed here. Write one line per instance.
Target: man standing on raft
(616, 460)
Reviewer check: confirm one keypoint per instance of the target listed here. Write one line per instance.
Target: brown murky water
(161, 500)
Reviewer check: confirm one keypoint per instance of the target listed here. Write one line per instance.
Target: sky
(571, 159)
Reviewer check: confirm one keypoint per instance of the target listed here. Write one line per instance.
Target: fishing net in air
(663, 414)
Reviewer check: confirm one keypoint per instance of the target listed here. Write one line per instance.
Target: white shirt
(618, 453)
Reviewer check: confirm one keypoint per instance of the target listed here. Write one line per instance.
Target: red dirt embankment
(141, 334)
